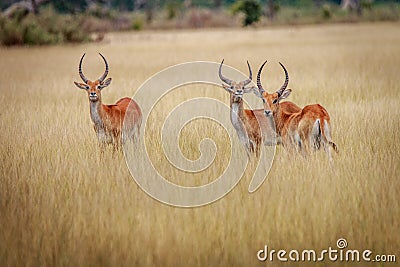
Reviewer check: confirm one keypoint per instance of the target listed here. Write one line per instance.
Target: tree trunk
(352, 5)
(271, 9)
(31, 6)
(34, 7)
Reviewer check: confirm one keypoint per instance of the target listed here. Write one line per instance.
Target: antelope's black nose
(267, 113)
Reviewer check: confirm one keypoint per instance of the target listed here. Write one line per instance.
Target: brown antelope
(108, 120)
(304, 129)
(250, 124)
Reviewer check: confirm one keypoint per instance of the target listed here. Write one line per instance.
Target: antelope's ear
(105, 83)
(256, 92)
(227, 88)
(285, 94)
(81, 86)
(248, 90)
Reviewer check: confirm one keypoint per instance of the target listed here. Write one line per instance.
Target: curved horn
(246, 82)
(283, 88)
(225, 80)
(260, 88)
(106, 71)
(84, 79)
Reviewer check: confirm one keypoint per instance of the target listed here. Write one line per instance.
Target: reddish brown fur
(108, 120)
(255, 122)
(308, 127)
(289, 123)
(252, 127)
(252, 117)
(113, 117)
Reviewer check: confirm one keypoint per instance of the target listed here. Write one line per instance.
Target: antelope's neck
(237, 116)
(96, 113)
(280, 117)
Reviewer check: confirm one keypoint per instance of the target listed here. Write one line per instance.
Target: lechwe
(250, 124)
(305, 129)
(108, 120)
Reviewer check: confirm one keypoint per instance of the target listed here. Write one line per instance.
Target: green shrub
(10, 32)
(326, 11)
(172, 8)
(250, 8)
(46, 28)
(101, 12)
(137, 23)
(367, 4)
(36, 34)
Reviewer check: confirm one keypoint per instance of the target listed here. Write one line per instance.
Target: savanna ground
(62, 204)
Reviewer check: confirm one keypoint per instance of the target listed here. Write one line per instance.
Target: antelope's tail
(326, 134)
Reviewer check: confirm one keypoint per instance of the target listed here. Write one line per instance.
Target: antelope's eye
(87, 87)
(275, 101)
(263, 100)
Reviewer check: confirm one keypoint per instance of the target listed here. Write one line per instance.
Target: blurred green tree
(250, 8)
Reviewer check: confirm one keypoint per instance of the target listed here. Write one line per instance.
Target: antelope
(108, 120)
(306, 128)
(250, 124)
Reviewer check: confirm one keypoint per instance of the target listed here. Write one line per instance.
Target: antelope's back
(133, 114)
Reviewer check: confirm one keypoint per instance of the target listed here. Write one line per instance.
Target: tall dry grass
(62, 204)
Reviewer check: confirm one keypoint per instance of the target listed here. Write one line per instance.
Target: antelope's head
(93, 88)
(271, 101)
(235, 89)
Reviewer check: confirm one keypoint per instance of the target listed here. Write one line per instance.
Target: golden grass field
(62, 204)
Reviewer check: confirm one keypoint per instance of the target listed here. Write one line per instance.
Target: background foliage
(57, 21)
(63, 204)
